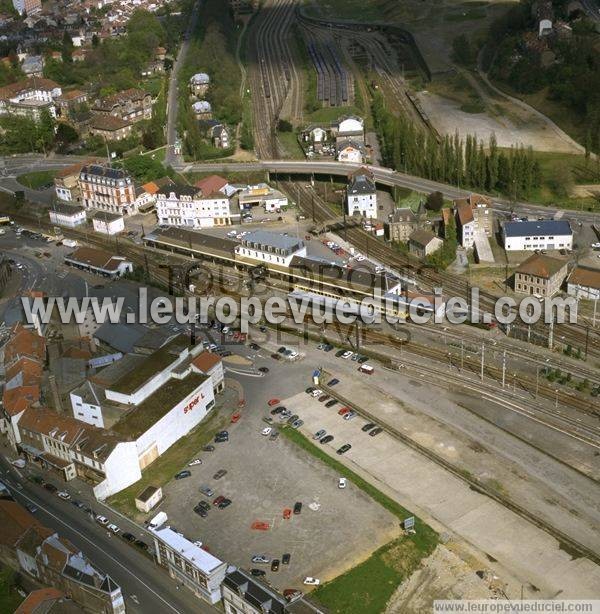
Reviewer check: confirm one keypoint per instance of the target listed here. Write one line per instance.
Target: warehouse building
(543, 234)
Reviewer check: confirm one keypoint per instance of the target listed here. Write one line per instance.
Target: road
(172, 102)
(135, 573)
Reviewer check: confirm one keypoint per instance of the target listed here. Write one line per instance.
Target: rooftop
(67, 209)
(105, 171)
(151, 365)
(538, 228)
(220, 246)
(109, 123)
(96, 258)
(586, 277)
(541, 266)
(422, 237)
(272, 239)
(106, 216)
(211, 184)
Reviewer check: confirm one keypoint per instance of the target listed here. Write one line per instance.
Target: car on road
(320, 433)
(296, 424)
(113, 528)
(297, 507)
(183, 474)
(221, 437)
(103, 520)
(264, 370)
(342, 482)
(281, 350)
(275, 565)
(333, 382)
(344, 411)
(128, 537)
(331, 403)
(287, 513)
(368, 426)
(261, 558)
(207, 491)
(350, 415)
(31, 508)
(310, 581)
(291, 594)
(285, 559)
(343, 449)
(257, 573)
(326, 439)
(273, 402)
(266, 431)
(221, 473)
(275, 356)
(50, 487)
(63, 495)
(375, 431)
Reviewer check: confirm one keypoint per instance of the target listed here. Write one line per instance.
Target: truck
(368, 369)
(158, 520)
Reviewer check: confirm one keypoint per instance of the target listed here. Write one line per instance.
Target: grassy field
(37, 179)
(166, 466)
(9, 598)
(366, 588)
(289, 140)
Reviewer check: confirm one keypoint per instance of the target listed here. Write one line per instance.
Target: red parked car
(236, 417)
(218, 500)
(344, 411)
(274, 402)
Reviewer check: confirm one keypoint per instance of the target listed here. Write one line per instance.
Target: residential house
(110, 128)
(361, 194)
(348, 127)
(33, 66)
(29, 97)
(215, 183)
(199, 83)
(402, 222)
(423, 243)
(202, 109)
(584, 282)
(540, 275)
(350, 151)
(130, 105)
(68, 215)
(66, 183)
(146, 194)
(67, 102)
(537, 235)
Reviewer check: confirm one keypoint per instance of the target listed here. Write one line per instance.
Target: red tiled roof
(19, 399)
(206, 361)
(32, 83)
(24, 342)
(44, 421)
(31, 369)
(15, 521)
(465, 212)
(585, 277)
(211, 184)
(37, 598)
(539, 265)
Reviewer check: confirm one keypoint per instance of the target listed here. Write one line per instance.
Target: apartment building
(131, 105)
(108, 223)
(29, 97)
(107, 189)
(181, 205)
(68, 215)
(473, 215)
(268, 247)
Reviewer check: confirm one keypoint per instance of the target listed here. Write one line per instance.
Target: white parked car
(103, 520)
(342, 482)
(293, 354)
(196, 461)
(316, 393)
(266, 431)
(113, 527)
(63, 495)
(310, 581)
(347, 354)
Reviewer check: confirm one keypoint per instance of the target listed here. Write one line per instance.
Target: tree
(144, 168)
(67, 48)
(66, 134)
(435, 201)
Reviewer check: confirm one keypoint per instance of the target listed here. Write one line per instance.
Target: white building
(262, 195)
(29, 96)
(188, 206)
(108, 223)
(189, 564)
(350, 151)
(99, 262)
(69, 216)
(361, 194)
(584, 283)
(542, 234)
(349, 127)
(270, 248)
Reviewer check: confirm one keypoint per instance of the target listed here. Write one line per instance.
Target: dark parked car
(128, 537)
(183, 474)
(328, 347)
(375, 431)
(275, 565)
(282, 350)
(208, 448)
(220, 474)
(257, 572)
(368, 426)
(275, 356)
(225, 503)
(141, 545)
(343, 449)
(264, 370)
(50, 487)
(310, 390)
(297, 507)
(326, 439)
(331, 403)
(323, 398)
(285, 559)
(363, 359)
(333, 382)
(277, 410)
(221, 437)
(292, 418)
(255, 347)
(340, 353)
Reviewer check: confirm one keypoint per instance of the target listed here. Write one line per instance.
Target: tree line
(464, 162)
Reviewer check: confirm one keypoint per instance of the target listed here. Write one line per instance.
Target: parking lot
(263, 478)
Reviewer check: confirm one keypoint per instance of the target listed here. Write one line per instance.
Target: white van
(158, 520)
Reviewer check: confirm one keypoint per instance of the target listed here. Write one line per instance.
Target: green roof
(157, 405)
(153, 364)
